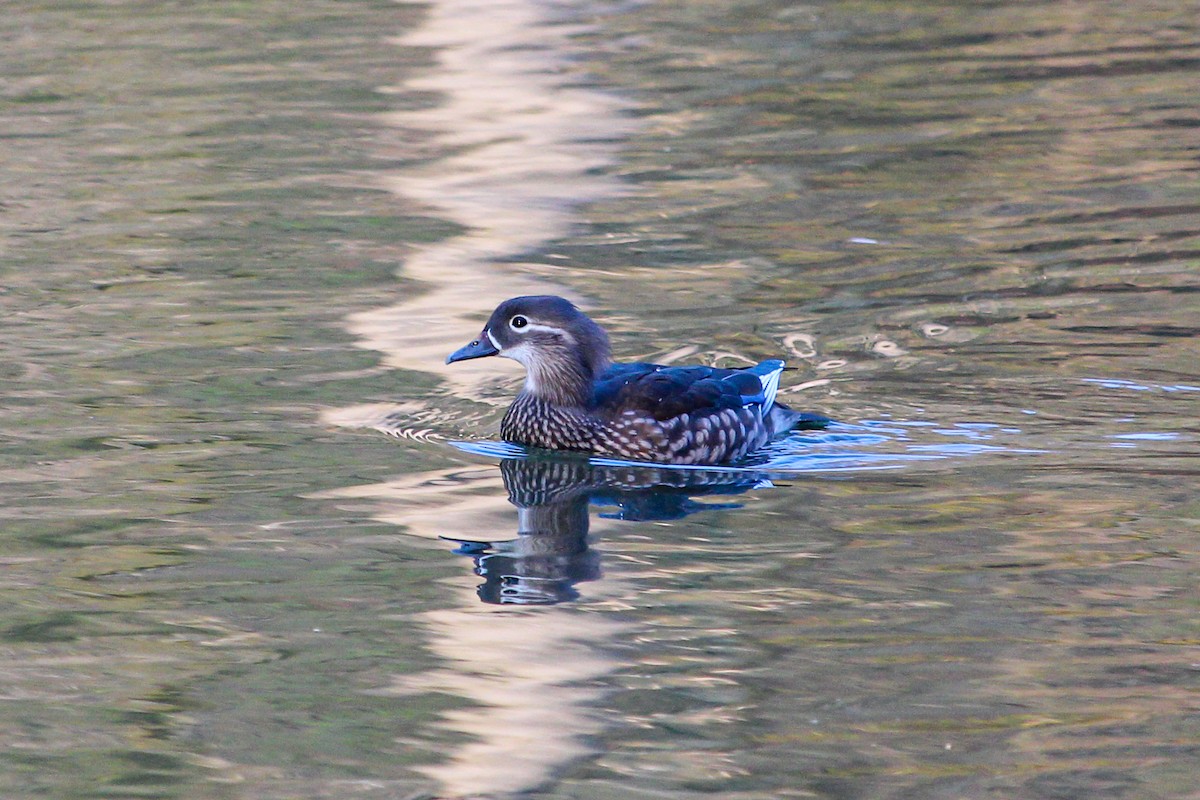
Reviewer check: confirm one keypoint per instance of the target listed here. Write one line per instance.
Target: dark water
(239, 239)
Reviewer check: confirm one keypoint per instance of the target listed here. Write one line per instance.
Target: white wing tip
(770, 384)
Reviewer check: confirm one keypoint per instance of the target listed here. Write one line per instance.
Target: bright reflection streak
(526, 150)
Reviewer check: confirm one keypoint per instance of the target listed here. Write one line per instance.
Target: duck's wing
(666, 392)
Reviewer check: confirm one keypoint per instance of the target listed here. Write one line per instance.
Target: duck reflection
(550, 554)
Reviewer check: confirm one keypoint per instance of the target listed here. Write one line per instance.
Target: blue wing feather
(664, 392)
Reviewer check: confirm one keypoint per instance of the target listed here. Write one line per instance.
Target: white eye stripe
(533, 326)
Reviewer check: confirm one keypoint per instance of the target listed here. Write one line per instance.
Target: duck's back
(684, 415)
(663, 392)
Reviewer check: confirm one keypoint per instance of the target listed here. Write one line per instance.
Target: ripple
(413, 420)
(1151, 436)
(1134, 386)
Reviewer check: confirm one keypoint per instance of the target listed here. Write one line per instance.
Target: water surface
(239, 241)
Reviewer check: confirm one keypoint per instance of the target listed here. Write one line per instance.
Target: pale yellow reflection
(518, 150)
(525, 671)
(528, 671)
(522, 148)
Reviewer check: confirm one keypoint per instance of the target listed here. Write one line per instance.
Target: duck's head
(561, 348)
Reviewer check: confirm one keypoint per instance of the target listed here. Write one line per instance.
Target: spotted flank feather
(575, 398)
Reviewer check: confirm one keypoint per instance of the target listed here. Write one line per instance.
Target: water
(240, 239)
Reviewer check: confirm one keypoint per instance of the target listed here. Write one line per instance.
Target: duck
(576, 398)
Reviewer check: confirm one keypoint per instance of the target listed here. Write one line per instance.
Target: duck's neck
(560, 382)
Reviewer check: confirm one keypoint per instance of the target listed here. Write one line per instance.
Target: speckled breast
(536, 423)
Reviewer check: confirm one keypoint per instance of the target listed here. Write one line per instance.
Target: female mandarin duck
(576, 398)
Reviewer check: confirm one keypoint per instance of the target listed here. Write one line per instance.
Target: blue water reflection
(1119, 383)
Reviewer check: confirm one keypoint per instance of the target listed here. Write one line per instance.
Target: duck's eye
(518, 322)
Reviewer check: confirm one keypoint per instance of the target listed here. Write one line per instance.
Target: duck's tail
(782, 419)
